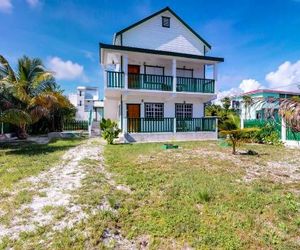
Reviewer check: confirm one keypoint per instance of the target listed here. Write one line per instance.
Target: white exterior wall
(111, 109)
(151, 35)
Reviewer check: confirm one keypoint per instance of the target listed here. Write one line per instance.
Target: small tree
(231, 128)
(110, 130)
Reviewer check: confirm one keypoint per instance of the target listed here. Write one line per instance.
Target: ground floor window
(154, 110)
(184, 110)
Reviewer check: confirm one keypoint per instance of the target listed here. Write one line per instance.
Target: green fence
(260, 123)
(75, 125)
(291, 135)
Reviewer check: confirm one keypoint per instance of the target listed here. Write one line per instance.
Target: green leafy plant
(231, 128)
(110, 130)
(29, 94)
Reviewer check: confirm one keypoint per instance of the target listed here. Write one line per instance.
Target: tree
(231, 128)
(248, 101)
(27, 94)
(110, 130)
(226, 102)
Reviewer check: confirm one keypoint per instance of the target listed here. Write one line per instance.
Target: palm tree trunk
(22, 133)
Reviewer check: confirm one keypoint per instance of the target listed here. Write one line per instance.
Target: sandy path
(61, 180)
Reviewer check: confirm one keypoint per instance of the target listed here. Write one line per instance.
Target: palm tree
(248, 101)
(27, 94)
(226, 102)
(231, 128)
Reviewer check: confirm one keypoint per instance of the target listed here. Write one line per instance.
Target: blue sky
(260, 40)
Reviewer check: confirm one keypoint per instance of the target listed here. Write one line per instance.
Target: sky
(259, 39)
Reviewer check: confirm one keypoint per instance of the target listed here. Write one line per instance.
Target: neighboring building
(261, 108)
(156, 80)
(86, 99)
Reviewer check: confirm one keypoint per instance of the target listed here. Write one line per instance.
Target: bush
(268, 135)
(110, 130)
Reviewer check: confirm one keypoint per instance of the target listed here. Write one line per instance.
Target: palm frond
(15, 117)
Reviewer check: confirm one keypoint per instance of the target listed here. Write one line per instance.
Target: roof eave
(159, 52)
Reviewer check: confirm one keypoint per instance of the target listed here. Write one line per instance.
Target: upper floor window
(165, 21)
(80, 93)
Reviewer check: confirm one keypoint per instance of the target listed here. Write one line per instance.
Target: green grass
(189, 196)
(193, 196)
(28, 159)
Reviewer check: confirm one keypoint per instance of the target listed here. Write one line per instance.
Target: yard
(141, 196)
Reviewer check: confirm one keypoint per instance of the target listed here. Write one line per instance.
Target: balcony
(200, 85)
(160, 125)
(160, 83)
(150, 82)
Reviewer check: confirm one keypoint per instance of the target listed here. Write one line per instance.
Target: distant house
(86, 99)
(261, 108)
(156, 80)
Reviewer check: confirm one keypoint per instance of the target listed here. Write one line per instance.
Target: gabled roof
(159, 12)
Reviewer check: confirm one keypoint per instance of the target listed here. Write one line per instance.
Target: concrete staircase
(95, 131)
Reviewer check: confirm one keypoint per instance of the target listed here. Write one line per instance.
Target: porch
(132, 69)
(170, 129)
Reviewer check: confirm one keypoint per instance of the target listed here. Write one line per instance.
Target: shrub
(110, 130)
(268, 135)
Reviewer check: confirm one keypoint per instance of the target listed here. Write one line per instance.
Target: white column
(174, 74)
(242, 121)
(125, 69)
(174, 125)
(124, 116)
(283, 130)
(104, 76)
(142, 109)
(215, 76)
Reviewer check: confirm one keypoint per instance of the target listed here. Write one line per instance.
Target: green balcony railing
(115, 79)
(151, 82)
(150, 125)
(188, 84)
(195, 124)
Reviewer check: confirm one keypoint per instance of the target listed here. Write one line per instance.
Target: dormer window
(165, 21)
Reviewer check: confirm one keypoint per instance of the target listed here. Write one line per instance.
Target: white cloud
(286, 74)
(249, 85)
(246, 85)
(6, 6)
(66, 70)
(33, 3)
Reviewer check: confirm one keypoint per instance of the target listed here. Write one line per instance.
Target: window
(154, 110)
(154, 70)
(80, 93)
(183, 72)
(80, 103)
(184, 110)
(165, 21)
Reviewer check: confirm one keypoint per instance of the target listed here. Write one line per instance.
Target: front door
(133, 76)
(133, 115)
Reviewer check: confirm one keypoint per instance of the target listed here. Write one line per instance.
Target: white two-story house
(156, 80)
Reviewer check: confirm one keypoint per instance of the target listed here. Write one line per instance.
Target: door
(133, 115)
(134, 76)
